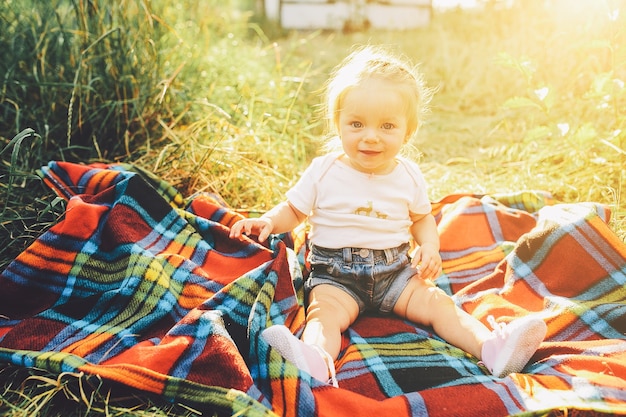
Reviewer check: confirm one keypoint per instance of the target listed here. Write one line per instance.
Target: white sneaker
(512, 345)
(309, 358)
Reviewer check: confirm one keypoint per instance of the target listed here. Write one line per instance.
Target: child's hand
(261, 227)
(428, 261)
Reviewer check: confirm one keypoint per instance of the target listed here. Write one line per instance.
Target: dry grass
(527, 99)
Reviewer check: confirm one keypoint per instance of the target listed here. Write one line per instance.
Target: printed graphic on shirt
(368, 210)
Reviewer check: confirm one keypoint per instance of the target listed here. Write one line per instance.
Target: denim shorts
(374, 278)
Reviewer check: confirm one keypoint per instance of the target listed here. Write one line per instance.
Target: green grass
(33, 392)
(212, 98)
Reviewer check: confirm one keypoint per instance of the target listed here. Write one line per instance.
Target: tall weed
(83, 75)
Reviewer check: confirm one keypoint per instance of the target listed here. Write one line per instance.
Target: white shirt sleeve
(304, 193)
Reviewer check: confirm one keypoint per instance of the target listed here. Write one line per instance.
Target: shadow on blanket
(144, 288)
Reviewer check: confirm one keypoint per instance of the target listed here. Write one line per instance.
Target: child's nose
(370, 135)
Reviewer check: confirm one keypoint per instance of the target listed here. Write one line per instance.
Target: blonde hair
(370, 61)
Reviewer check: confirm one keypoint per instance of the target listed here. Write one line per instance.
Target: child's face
(372, 124)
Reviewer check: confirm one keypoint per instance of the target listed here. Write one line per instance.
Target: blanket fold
(144, 288)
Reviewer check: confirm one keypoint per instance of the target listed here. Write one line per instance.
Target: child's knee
(439, 298)
(423, 303)
(330, 303)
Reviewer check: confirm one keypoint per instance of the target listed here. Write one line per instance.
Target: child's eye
(356, 124)
(388, 126)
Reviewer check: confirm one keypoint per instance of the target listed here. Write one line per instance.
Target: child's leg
(504, 350)
(424, 303)
(330, 313)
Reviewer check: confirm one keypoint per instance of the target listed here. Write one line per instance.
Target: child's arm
(424, 231)
(282, 218)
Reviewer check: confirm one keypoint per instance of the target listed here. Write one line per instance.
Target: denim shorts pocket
(404, 259)
(325, 265)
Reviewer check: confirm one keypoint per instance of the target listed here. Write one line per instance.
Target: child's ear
(411, 133)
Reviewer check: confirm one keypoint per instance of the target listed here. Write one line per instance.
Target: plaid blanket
(144, 288)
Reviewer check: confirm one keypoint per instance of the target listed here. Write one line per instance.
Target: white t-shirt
(349, 208)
